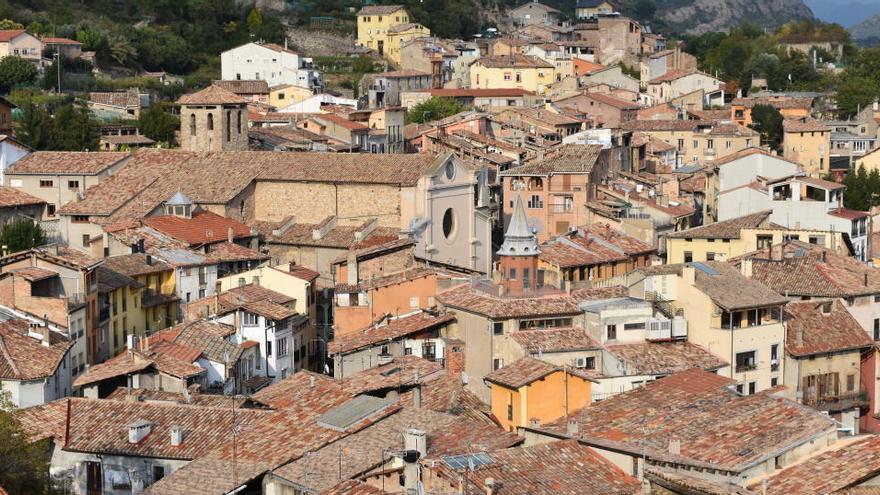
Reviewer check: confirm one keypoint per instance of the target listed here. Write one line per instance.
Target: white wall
(9, 154)
(254, 61)
(745, 170)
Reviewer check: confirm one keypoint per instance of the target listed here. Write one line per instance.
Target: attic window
(826, 307)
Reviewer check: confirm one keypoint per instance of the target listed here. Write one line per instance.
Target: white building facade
(272, 63)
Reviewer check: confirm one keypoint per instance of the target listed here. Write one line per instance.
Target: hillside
(702, 16)
(867, 32)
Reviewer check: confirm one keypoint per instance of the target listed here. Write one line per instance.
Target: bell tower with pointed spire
(518, 256)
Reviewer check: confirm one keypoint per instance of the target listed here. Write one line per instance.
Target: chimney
(131, 342)
(229, 235)
(689, 274)
(138, 430)
(291, 266)
(176, 435)
(745, 267)
(572, 428)
(417, 396)
(415, 439)
(674, 446)
(490, 486)
(455, 359)
(534, 422)
(415, 446)
(311, 382)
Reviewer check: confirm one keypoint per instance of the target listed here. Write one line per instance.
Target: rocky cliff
(701, 16)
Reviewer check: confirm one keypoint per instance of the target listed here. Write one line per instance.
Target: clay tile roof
(269, 309)
(33, 273)
(239, 87)
(802, 269)
(212, 95)
(403, 371)
(831, 471)
(301, 272)
(7, 35)
(716, 427)
(804, 124)
(672, 75)
(124, 99)
(290, 390)
(340, 121)
(663, 125)
(136, 264)
(230, 251)
(11, 197)
(353, 487)
(207, 337)
(664, 358)
(25, 358)
(613, 101)
(59, 41)
(728, 288)
(594, 293)
(810, 330)
(547, 340)
(478, 92)
(388, 280)
(379, 9)
(119, 365)
(521, 372)
(403, 73)
(101, 427)
(205, 227)
(564, 467)
(569, 158)
(476, 300)
(726, 229)
(67, 162)
(776, 102)
(513, 61)
(387, 330)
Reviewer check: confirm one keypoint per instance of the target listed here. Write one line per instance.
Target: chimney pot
(311, 382)
(572, 428)
(176, 435)
(674, 446)
(229, 235)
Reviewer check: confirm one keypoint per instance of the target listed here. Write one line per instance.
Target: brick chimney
(455, 359)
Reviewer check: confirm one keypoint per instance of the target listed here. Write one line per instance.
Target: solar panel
(705, 269)
(352, 412)
(467, 461)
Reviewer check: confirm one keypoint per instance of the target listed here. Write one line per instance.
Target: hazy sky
(844, 12)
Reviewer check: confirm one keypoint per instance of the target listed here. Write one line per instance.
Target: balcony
(151, 298)
(837, 401)
(743, 367)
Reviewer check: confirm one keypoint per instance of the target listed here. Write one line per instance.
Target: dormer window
(179, 206)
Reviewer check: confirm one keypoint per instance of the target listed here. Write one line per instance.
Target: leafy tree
(14, 71)
(122, 51)
(434, 109)
(10, 24)
(50, 77)
(25, 465)
(255, 20)
(21, 234)
(855, 92)
(158, 125)
(768, 121)
(74, 129)
(91, 39)
(33, 126)
(858, 194)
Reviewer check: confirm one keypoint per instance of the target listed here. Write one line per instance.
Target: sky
(844, 12)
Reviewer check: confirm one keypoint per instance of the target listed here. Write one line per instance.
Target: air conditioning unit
(580, 363)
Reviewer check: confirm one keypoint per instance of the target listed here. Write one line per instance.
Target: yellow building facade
(287, 94)
(686, 250)
(808, 142)
(386, 28)
(512, 71)
(543, 395)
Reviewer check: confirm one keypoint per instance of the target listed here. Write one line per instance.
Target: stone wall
(312, 202)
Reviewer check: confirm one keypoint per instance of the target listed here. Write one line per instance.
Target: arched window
(192, 124)
(239, 121)
(210, 121)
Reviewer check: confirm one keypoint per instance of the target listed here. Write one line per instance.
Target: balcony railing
(151, 298)
(740, 368)
(839, 401)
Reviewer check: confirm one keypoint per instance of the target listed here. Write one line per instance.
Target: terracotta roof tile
(664, 358)
(557, 468)
(388, 329)
(388, 280)
(67, 162)
(353, 487)
(123, 99)
(205, 227)
(11, 197)
(136, 264)
(23, 357)
(802, 269)
(513, 61)
(195, 398)
(379, 9)
(521, 372)
(775, 102)
(8, 34)
(804, 124)
(569, 158)
(549, 340)
(726, 229)
(474, 300)
(340, 236)
(830, 471)
(810, 330)
(211, 95)
(247, 87)
(594, 293)
(717, 428)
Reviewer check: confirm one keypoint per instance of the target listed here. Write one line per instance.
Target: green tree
(91, 39)
(15, 71)
(158, 125)
(768, 121)
(858, 195)
(21, 234)
(51, 79)
(74, 129)
(10, 24)
(854, 92)
(433, 109)
(33, 126)
(121, 50)
(25, 465)
(255, 20)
